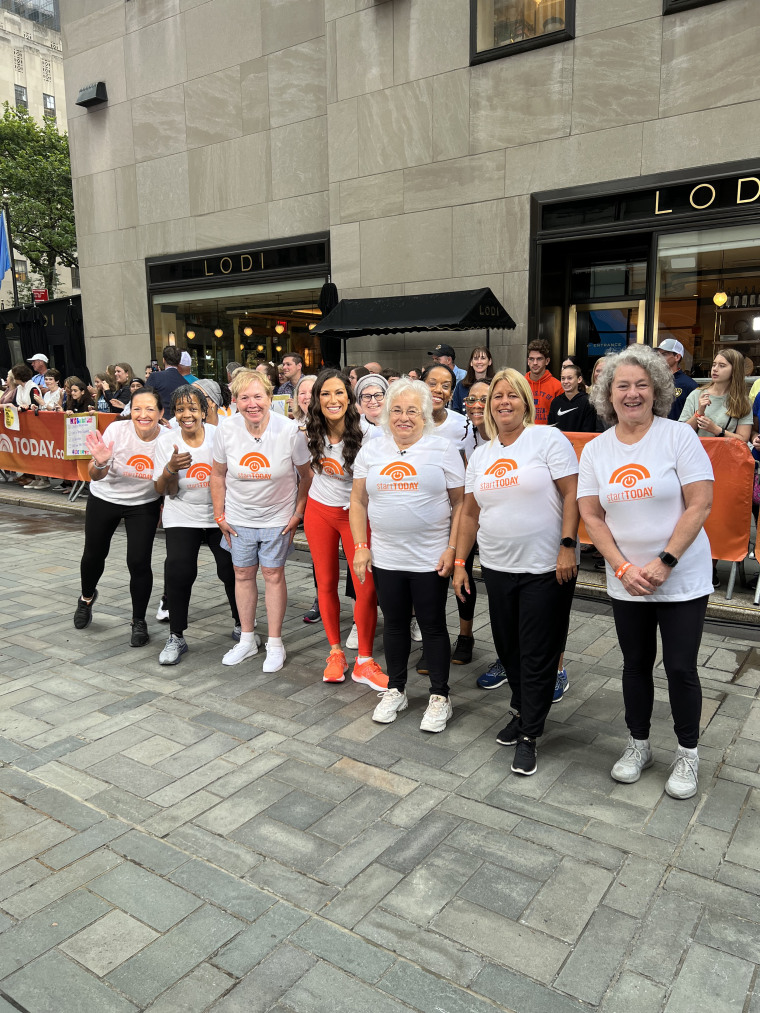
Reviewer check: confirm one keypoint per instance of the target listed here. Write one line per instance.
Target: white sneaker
(275, 659)
(414, 630)
(438, 712)
(239, 653)
(174, 649)
(637, 756)
(682, 783)
(392, 701)
(162, 612)
(352, 640)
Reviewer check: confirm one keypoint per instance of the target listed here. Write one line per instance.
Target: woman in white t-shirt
(520, 502)
(408, 488)
(442, 380)
(121, 488)
(645, 491)
(335, 433)
(183, 460)
(258, 500)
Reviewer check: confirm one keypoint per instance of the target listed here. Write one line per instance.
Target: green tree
(35, 184)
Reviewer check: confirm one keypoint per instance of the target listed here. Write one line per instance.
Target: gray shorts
(259, 546)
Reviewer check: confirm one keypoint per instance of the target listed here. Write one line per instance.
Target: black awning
(477, 309)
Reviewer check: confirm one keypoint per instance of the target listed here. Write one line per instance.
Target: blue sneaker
(561, 686)
(493, 678)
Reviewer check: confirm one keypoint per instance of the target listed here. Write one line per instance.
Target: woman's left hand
(707, 425)
(567, 567)
(445, 565)
(656, 572)
(292, 526)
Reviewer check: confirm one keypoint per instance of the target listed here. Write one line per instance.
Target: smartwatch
(568, 543)
(668, 559)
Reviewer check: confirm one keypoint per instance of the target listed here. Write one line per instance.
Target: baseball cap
(443, 350)
(185, 359)
(38, 355)
(671, 345)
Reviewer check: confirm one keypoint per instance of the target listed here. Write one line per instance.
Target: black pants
(100, 522)
(530, 615)
(466, 608)
(181, 569)
(680, 624)
(397, 594)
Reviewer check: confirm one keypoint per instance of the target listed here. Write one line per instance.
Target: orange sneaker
(370, 673)
(336, 668)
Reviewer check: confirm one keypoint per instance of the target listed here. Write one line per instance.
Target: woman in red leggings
(335, 432)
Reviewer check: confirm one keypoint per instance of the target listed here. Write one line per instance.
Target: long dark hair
(317, 432)
(470, 378)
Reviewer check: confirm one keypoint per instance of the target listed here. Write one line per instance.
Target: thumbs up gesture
(180, 461)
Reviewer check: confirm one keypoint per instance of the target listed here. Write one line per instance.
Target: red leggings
(324, 527)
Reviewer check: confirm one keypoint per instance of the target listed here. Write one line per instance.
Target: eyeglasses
(411, 413)
(476, 400)
(366, 398)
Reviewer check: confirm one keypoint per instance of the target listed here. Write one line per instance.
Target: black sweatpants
(530, 615)
(680, 624)
(397, 594)
(181, 569)
(466, 608)
(100, 521)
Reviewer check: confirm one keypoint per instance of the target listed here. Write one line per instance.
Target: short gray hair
(406, 385)
(653, 365)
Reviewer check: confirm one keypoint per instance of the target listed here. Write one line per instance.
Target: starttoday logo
(500, 475)
(399, 472)
(332, 468)
(141, 465)
(630, 477)
(199, 474)
(258, 466)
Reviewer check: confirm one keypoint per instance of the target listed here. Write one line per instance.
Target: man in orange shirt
(545, 387)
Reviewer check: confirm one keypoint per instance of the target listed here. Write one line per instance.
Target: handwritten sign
(10, 417)
(75, 430)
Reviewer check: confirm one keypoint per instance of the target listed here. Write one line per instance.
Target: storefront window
(240, 324)
(708, 294)
(671, 6)
(504, 27)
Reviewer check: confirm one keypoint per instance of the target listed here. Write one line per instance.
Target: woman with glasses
(480, 368)
(370, 393)
(408, 487)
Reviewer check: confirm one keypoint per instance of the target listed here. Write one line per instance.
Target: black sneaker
(422, 665)
(83, 614)
(139, 633)
(312, 616)
(525, 757)
(508, 736)
(462, 653)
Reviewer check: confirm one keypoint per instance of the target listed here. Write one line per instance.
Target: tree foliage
(35, 184)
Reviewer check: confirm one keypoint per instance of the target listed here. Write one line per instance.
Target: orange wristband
(220, 518)
(460, 562)
(623, 568)
(361, 545)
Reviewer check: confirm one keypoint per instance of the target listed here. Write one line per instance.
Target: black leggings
(466, 608)
(181, 569)
(397, 594)
(530, 615)
(680, 624)
(100, 521)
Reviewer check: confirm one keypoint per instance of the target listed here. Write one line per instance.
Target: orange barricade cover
(36, 448)
(728, 526)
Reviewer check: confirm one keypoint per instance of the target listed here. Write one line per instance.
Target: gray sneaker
(173, 650)
(683, 780)
(637, 756)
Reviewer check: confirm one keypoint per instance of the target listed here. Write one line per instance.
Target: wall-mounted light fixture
(92, 95)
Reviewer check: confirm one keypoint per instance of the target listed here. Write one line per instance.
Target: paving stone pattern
(206, 838)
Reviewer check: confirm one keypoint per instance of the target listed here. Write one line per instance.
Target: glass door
(597, 329)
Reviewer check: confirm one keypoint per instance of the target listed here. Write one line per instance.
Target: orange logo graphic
(629, 475)
(331, 467)
(140, 463)
(500, 468)
(254, 462)
(398, 471)
(6, 447)
(200, 472)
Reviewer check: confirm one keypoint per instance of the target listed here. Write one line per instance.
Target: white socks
(246, 639)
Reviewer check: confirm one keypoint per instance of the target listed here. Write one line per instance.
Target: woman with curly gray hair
(409, 486)
(645, 491)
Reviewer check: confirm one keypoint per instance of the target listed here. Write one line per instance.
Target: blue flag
(5, 253)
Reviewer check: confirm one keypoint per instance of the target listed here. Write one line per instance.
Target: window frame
(566, 34)
(676, 6)
(24, 103)
(21, 270)
(48, 113)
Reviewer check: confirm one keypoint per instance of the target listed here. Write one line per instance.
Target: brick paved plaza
(200, 837)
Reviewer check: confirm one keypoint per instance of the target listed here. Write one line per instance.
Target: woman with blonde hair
(722, 408)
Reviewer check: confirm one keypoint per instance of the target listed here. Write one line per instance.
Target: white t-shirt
(129, 480)
(333, 486)
(639, 487)
(261, 478)
(191, 507)
(52, 398)
(409, 510)
(454, 429)
(520, 506)
(716, 411)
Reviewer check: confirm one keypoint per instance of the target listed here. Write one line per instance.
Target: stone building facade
(423, 159)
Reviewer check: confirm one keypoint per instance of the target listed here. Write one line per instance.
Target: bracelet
(452, 547)
(361, 545)
(101, 467)
(459, 562)
(220, 518)
(167, 468)
(623, 568)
